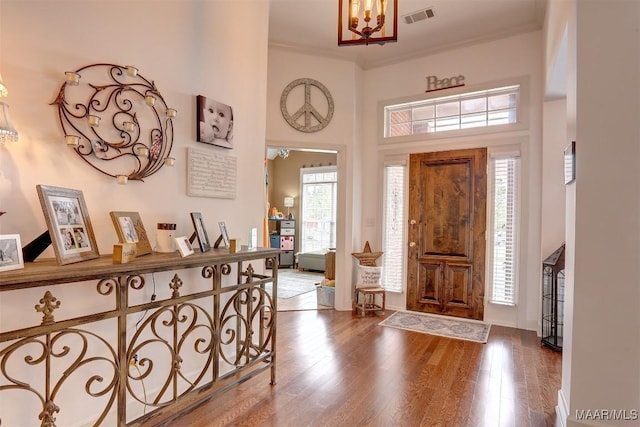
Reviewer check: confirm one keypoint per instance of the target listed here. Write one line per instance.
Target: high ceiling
(311, 26)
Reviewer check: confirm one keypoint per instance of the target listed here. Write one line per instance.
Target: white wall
(342, 79)
(498, 61)
(553, 189)
(188, 48)
(600, 367)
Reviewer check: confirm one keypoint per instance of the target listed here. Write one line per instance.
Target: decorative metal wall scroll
(118, 122)
(313, 119)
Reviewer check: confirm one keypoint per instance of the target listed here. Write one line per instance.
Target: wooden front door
(447, 221)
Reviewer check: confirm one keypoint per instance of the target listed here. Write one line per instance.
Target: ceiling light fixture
(283, 152)
(352, 13)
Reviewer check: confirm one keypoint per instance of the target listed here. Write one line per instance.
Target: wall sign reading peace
(310, 99)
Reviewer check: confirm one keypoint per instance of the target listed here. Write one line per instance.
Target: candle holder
(131, 71)
(142, 151)
(72, 140)
(118, 122)
(73, 78)
(129, 126)
(94, 120)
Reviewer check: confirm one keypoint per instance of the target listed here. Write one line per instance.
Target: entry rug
(292, 283)
(450, 327)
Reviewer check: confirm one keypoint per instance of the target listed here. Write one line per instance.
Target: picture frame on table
(130, 229)
(10, 252)
(224, 236)
(184, 246)
(69, 224)
(200, 231)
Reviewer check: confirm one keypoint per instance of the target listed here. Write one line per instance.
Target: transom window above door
(483, 108)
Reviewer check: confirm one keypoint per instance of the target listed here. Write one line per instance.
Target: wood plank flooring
(338, 369)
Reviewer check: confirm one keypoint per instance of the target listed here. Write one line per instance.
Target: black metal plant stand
(553, 299)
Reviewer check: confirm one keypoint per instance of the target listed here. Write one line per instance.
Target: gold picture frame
(69, 225)
(130, 229)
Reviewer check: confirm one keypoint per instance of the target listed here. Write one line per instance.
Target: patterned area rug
(450, 327)
(292, 282)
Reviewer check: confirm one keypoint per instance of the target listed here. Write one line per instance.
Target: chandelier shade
(364, 22)
(7, 131)
(3, 88)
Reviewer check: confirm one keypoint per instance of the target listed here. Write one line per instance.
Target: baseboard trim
(562, 410)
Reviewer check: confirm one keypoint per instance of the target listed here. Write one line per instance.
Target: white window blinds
(318, 208)
(504, 229)
(393, 227)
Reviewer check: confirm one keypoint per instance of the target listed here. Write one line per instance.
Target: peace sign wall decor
(304, 94)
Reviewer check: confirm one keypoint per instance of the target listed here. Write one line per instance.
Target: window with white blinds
(393, 243)
(505, 172)
(319, 195)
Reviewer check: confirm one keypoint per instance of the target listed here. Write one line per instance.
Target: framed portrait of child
(214, 122)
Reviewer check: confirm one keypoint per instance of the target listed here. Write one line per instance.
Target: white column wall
(553, 189)
(602, 342)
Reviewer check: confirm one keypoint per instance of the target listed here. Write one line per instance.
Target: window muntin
(318, 208)
(476, 109)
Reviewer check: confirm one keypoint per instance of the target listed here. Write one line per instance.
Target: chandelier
(365, 24)
(7, 131)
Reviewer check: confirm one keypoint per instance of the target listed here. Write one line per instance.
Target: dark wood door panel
(446, 208)
(430, 279)
(447, 220)
(458, 285)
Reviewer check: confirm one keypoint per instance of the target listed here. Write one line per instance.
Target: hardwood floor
(338, 369)
(306, 301)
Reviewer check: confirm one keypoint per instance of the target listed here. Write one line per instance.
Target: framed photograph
(69, 224)
(130, 229)
(10, 252)
(201, 232)
(223, 234)
(184, 247)
(214, 122)
(570, 163)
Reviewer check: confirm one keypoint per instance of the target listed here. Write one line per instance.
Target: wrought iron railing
(150, 361)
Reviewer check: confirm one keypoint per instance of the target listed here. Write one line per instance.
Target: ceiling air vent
(419, 15)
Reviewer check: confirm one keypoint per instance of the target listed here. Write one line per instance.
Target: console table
(140, 363)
